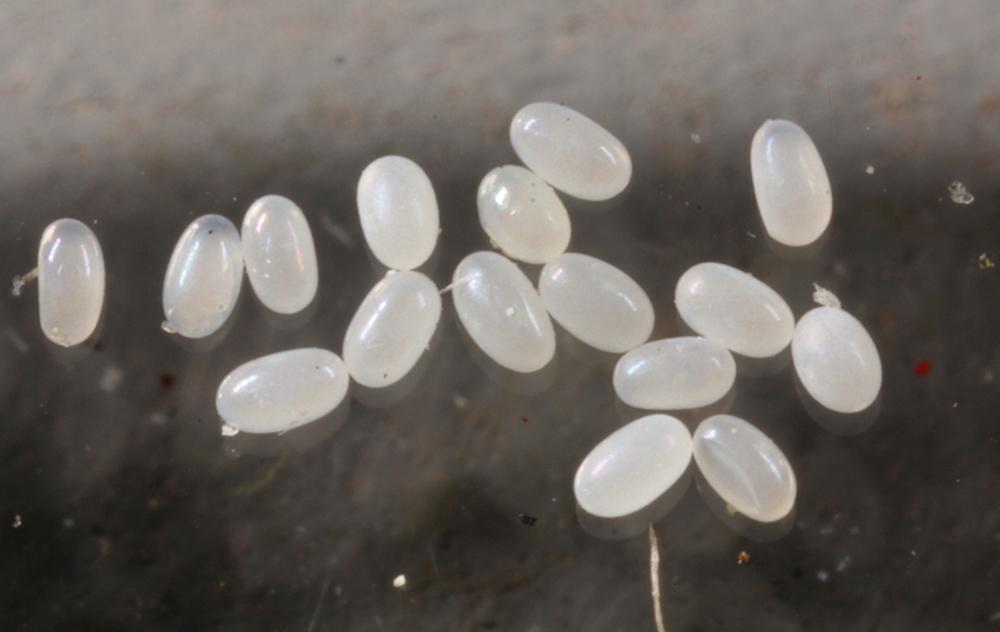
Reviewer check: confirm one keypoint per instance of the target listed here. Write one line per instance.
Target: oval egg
(674, 374)
(523, 215)
(279, 254)
(70, 282)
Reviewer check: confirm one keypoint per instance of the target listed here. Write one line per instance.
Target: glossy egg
(399, 212)
(674, 374)
(790, 182)
(571, 152)
(70, 282)
(282, 391)
(836, 360)
(633, 466)
(745, 468)
(279, 254)
(203, 277)
(502, 313)
(392, 328)
(523, 215)
(734, 308)
(596, 302)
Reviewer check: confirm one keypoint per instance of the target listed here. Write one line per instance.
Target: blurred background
(123, 508)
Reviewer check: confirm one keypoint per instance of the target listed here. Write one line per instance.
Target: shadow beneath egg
(690, 416)
(217, 337)
(582, 352)
(797, 253)
(396, 392)
(288, 322)
(753, 530)
(511, 381)
(841, 424)
(623, 527)
(296, 440)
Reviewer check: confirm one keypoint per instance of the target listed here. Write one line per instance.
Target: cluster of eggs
(503, 313)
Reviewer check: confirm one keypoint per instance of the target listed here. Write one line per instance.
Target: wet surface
(123, 507)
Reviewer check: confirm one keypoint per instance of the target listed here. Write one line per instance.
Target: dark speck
(210, 231)
(526, 520)
(167, 380)
(918, 77)
(524, 419)
(698, 207)
(339, 59)
(98, 346)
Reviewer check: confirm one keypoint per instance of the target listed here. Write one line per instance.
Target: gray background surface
(134, 513)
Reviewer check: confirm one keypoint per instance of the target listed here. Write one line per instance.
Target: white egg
(674, 374)
(734, 308)
(836, 360)
(502, 313)
(392, 328)
(279, 254)
(596, 302)
(523, 215)
(633, 466)
(399, 212)
(70, 282)
(203, 277)
(282, 391)
(790, 182)
(745, 468)
(571, 152)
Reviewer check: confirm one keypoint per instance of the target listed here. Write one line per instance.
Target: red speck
(922, 368)
(167, 380)
(524, 420)
(918, 77)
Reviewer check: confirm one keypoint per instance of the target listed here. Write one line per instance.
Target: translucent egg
(674, 374)
(203, 277)
(279, 254)
(399, 212)
(633, 466)
(282, 391)
(502, 313)
(745, 468)
(790, 182)
(596, 302)
(523, 215)
(571, 152)
(392, 328)
(70, 282)
(836, 360)
(734, 308)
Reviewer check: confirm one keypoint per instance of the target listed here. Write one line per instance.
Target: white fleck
(995, 617)
(751, 235)
(19, 281)
(17, 341)
(68, 523)
(459, 401)
(822, 575)
(111, 379)
(985, 262)
(870, 169)
(229, 431)
(959, 194)
(855, 530)
(338, 590)
(824, 297)
(510, 312)
(913, 553)
(827, 530)
(844, 564)
(696, 138)
(167, 327)
(954, 405)
(399, 581)
(17, 521)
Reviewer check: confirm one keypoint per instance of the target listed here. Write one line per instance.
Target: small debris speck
(743, 558)
(985, 263)
(822, 575)
(111, 379)
(459, 401)
(399, 581)
(959, 194)
(510, 312)
(870, 169)
(524, 420)
(824, 297)
(922, 368)
(844, 564)
(827, 530)
(229, 431)
(696, 138)
(751, 235)
(526, 520)
(17, 521)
